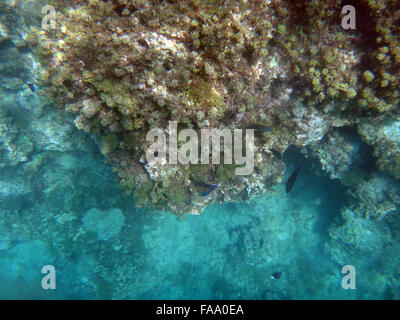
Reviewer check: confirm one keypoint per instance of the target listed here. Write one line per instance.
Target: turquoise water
(229, 252)
(61, 205)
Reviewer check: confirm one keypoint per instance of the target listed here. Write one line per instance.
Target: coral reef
(377, 197)
(356, 238)
(42, 154)
(287, 65)
(56, 193)
(12, 149)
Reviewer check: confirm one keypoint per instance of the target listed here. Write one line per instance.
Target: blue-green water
(61, 205)
(229, 252)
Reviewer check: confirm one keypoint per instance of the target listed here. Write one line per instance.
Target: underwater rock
(10, 152)
(51, 133)
(288, 66)
(377, 197)
(310, 126)
(106, 223)
(356, 237)
(336, 152)
(384, 136)
(17, 16)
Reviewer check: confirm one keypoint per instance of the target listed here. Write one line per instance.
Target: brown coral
(128, 66)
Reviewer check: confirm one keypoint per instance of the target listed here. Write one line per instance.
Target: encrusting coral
(377, 197)
(125, 67)
(14, 148)
(335, 153)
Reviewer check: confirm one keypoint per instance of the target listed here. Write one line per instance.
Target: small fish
(258, 127)
(31, 86)
(276, 275)
(276, 153)
(290, 182)
(210, 189)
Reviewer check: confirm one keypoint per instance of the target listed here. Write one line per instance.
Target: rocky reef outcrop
(384, 136)
(289, 66)
(42, 154)
(337, 153)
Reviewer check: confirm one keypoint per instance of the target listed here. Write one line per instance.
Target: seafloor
(61, 204)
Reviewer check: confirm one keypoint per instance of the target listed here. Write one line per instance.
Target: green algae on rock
(125, 67)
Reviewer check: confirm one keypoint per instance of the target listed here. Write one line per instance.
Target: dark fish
(290, 182)
(276, 153)
(211, 188)
(31, 86)
(276, 275)
(258, 127)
